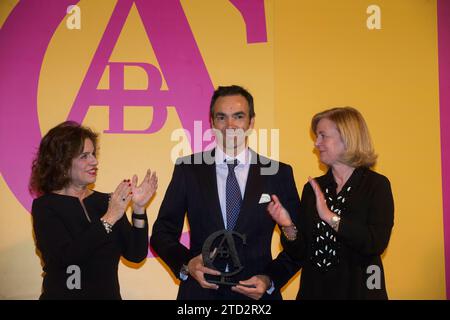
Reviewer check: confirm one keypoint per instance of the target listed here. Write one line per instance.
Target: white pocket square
(265, 198)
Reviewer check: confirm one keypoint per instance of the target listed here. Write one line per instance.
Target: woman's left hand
(143, 193)
(321, 204)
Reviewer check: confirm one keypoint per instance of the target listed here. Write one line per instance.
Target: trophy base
(229, 283)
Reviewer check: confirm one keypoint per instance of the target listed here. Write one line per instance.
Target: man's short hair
(232, 91)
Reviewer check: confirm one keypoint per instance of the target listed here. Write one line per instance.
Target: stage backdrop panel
(141, 73)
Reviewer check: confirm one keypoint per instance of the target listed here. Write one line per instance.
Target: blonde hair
(359, 151)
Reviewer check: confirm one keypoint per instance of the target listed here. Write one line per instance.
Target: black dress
(68, 242)
(348, 264)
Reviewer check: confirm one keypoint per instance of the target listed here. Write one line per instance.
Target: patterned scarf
(325, 247)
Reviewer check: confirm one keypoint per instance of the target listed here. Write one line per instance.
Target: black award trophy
(219, 253)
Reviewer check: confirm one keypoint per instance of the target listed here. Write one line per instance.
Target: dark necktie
(233, 196)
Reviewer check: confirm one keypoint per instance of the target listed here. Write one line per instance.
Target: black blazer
(65, 238)
(193, 191)
(363, 234)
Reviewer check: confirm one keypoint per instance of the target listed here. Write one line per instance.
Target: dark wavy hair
(50, 169)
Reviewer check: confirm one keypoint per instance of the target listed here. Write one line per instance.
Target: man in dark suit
(228, 187)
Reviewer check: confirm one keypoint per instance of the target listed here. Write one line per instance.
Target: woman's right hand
(278, 213)
(118, 202)
(321, 203)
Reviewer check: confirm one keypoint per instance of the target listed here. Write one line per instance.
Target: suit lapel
(208, 176)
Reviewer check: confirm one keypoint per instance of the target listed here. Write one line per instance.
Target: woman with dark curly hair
(82, 233)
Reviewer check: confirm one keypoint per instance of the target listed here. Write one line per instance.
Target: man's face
(231, 121)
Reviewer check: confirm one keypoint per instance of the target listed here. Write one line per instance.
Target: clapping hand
(278, 213)
(144, 192)
(118, 202)
(321, 203)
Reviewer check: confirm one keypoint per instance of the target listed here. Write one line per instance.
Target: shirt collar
(221, 158)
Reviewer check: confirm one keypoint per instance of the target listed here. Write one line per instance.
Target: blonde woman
(345, 217)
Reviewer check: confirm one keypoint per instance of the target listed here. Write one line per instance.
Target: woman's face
(329, 142)
(84, 166)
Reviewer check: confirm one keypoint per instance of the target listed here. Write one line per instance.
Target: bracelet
(290, 232)
(139, 216)
(139, 220)
(108, 226)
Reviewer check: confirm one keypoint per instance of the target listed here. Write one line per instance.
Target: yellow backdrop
(318, 54)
